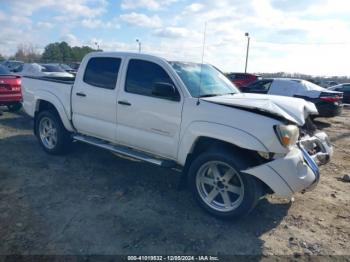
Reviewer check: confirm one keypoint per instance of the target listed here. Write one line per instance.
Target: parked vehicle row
(43, 70)
(327, 102)
(40, 69)
(232, 147)
(12, 65)
(242, 79)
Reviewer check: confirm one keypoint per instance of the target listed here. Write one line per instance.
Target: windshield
(311, 86)
(51, 68)
(203, 80)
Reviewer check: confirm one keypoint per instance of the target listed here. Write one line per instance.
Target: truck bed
(53, 89)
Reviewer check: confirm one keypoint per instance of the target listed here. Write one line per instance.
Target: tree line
(58, 52)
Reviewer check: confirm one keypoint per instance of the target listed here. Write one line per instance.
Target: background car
(242, 79)
(12, 65)
(67, 68)
(345, 88)
(74, 65)
(327, 84)
(327, 102)
(10, 89)
(44, 70)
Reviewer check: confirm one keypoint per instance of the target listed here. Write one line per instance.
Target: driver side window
(143, 75)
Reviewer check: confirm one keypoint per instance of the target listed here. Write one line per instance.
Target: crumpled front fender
(285, 175)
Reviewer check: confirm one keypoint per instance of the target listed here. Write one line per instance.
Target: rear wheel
(51, 133)
(219, 186)
(14, 107)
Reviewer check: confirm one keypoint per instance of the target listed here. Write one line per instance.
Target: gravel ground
(92, 202)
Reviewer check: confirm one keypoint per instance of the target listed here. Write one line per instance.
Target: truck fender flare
(42, 95)
(229, 134)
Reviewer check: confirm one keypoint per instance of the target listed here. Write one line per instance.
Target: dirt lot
(92, 202)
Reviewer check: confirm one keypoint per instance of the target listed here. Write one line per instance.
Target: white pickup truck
(233, 148)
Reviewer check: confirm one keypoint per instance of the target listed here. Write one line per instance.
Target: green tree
(63, 53)
(66, 52)
(79, 52)
(52, 53)
(2, 58)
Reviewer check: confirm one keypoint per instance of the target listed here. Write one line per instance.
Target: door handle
(80, 94)
(125, 103)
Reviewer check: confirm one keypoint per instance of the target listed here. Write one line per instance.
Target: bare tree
(27, 52)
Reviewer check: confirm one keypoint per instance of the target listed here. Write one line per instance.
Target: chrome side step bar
(125, 151)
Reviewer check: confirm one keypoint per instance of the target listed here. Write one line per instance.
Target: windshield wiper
(210, 95)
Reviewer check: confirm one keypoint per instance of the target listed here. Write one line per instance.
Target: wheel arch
(204, 143)
(204, 131)
(53, 105)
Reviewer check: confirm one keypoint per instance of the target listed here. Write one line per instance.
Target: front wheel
(51, 133)
(219, 186)
(14, 107)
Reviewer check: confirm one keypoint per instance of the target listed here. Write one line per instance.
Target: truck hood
(295, 110)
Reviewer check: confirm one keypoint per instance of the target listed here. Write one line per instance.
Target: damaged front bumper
(297, 171)
(318, 147)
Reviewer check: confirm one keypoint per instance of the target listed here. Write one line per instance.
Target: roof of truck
(123, 54)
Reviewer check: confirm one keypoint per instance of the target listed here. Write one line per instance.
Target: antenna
(200, 76)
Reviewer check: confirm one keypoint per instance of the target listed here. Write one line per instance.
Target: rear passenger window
(102, 72)
(142, 75)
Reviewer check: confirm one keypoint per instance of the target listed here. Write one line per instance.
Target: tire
(235, 194)
(52, 135)
(14, 107)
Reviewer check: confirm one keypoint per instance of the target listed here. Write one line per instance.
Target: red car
(10, 90)
(242, 79)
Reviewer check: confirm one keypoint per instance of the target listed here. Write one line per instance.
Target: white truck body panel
(150, 124)
(58, 94)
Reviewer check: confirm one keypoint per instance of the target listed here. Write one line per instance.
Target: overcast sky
(306, 36)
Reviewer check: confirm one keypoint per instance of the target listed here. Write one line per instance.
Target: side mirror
(166, 91)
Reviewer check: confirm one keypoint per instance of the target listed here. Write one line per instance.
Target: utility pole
(139, 42)
(246, 58)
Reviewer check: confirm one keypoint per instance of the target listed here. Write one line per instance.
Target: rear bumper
(329, 110)
(9, 99)
(297, 171)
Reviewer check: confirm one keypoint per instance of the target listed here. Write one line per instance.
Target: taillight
(331, 99)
